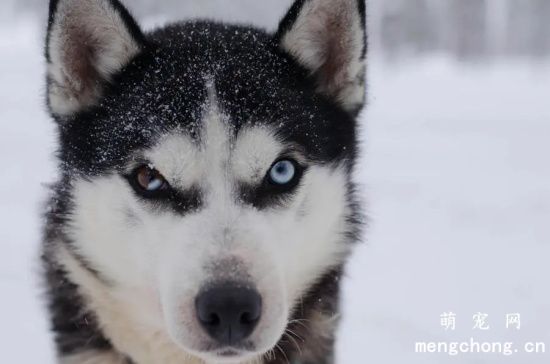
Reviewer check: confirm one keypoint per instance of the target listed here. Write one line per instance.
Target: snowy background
(456, 174)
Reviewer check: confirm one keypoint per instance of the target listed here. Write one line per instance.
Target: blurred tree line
(466, 29)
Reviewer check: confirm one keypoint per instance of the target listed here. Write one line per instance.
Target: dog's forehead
(216, 151)
(166, 91)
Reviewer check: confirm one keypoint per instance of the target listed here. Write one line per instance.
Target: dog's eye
(283, 172)
(146, 179)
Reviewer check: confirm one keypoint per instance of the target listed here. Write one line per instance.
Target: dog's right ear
(88, 41)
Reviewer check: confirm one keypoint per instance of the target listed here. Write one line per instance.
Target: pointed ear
(328, 38)
(88, 42)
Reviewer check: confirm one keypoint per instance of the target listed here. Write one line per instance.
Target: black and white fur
(211, 106)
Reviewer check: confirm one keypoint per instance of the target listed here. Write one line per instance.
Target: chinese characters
(480, 321)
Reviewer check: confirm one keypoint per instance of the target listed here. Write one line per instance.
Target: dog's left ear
(88, 42)
(328, 38)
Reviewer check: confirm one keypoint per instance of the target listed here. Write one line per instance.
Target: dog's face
(208, 166)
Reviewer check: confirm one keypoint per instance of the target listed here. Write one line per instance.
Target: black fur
(163, 89)
(363, 13)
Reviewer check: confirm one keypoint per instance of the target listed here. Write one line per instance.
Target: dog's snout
(229, 313)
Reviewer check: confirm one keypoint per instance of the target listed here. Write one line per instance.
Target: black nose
(229, 313)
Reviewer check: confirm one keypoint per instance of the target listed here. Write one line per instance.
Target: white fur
(121, 318)
(79, 24)
(254, 154)
(157, 260)
(94, 357)
(326, 30)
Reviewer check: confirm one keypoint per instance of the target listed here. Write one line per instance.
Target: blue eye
(282, 172)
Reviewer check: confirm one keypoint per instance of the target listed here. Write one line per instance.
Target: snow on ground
(457, 178)
(26, 140)
(457, 184)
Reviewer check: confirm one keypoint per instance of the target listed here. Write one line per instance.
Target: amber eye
(147, 179)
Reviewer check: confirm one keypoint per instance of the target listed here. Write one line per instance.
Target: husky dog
(205, 206)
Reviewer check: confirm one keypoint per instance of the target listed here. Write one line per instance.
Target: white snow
(457, 178)
(457, 184)
(26, 157)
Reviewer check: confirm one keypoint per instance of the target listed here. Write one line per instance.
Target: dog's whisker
(295, 334)
(282, 352)
(286, 334)
(301, 322)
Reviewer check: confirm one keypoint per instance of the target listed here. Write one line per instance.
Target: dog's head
(208, 166)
